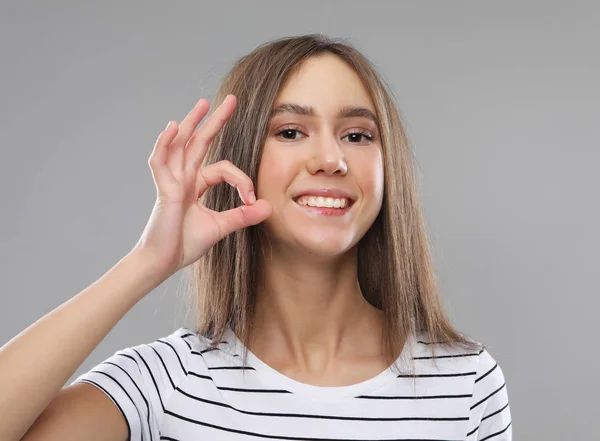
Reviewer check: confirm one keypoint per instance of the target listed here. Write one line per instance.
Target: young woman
(317, 312)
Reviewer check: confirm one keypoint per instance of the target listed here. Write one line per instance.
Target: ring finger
(186, 129)
(197, 146)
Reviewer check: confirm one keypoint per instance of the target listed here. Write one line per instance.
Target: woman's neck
(312, 314)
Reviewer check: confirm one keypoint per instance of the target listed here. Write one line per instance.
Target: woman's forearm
(37, 363)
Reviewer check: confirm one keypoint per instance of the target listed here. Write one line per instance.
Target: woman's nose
(327, 157)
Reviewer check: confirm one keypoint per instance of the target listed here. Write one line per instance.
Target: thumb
(244, 216)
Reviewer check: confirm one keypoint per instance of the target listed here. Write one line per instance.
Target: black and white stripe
(177, 388)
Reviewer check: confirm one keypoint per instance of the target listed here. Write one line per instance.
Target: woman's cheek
(274, 174)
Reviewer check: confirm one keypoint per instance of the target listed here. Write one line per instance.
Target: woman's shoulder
(178, 344)
(140, 379)
(170, 356)
(473, 363)
(199, 350)
(184, 342)
(474, 356)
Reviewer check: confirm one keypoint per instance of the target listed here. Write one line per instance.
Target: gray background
(501, 102)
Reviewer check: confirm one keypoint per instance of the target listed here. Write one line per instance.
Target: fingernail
(251, 197)
(168, 125)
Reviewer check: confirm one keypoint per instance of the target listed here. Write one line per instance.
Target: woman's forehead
(325, 83)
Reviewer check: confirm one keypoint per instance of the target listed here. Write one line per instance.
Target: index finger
(199, 142)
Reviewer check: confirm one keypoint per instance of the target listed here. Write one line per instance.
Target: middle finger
(186, 128)
(198, 144)
(190, 122)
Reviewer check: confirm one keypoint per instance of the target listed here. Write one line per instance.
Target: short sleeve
(490, 417)
(140, 380)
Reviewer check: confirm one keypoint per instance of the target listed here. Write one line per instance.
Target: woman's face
(318, 152)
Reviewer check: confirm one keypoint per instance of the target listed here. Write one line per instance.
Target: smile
(324, 206)
(323, 202)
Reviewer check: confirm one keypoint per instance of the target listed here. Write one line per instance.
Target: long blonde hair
(395, 270)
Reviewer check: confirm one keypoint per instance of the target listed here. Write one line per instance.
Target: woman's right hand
(180, 229)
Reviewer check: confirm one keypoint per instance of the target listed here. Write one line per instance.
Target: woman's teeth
(318, 201)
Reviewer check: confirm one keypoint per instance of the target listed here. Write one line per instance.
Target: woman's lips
(325, 211)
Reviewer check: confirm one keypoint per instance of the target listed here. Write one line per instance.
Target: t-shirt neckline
(276, 380)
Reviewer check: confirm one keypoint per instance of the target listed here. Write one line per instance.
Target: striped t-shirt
(177, 389)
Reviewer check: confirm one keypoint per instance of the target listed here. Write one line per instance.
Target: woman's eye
(289, 134)
(355, 137)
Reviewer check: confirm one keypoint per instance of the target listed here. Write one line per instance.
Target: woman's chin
(323, 243)
(313, 241)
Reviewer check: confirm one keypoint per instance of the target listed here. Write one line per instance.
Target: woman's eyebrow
(346, 112)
